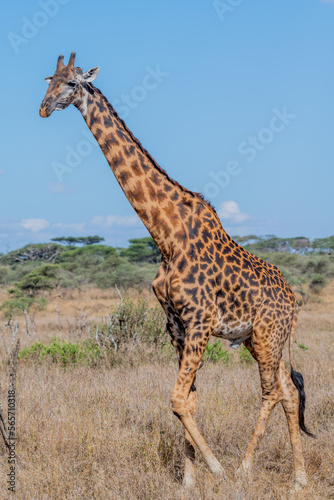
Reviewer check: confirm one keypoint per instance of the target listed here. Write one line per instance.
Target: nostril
(45, 109)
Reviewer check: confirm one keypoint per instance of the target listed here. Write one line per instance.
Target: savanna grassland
(99, 425)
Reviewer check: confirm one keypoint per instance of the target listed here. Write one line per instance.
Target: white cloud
(2, 172)
(34, 224)
(115, 221)
(230, 211)
(79, 226)
(60, 188)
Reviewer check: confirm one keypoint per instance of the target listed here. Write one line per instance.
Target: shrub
(317, 265)
(130, 322)
(245, 356)
(215, 352)
(44, 266)
(318, 282)
(19, 304)
(142, 250)
(301, 346)
(63, 352)
(42, 278)
(4, 275)
(126, 276)
(290, 278)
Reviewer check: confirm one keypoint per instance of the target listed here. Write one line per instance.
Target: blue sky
(241, 109)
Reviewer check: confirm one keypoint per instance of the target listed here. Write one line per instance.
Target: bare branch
(25, 312)
(3, 336)
(111, 321)
(47, 252)
(59, 323)
(3, 425)
(32, 322)
(12, 372)
(119, 293)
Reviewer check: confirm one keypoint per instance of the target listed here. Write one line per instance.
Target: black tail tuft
(297, 379)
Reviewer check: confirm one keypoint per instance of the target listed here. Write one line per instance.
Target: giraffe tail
(297, 379)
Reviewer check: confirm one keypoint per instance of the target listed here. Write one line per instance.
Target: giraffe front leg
(246, 465)
(189, 363)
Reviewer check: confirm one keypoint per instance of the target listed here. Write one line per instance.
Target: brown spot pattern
(207, 284)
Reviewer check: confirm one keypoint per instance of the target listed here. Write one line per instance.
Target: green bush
(99, 265)
(214, 352)
(131, 322)
(65, 353)
(17, 271)
(318, 282)
(317, 265)
(4, 275)
(292, 278)
(142, 250)
(126, 276)
(19, 304)
(301, 346)
(42, 278)
(245, 356)
(135, 267)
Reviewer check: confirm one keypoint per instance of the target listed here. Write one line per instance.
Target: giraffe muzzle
(46, 109)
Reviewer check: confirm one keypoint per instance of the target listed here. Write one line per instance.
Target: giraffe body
(207, 284)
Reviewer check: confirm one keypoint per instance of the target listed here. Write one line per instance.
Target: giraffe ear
(90, 75)
(48, 79)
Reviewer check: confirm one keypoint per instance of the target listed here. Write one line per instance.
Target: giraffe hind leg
(290, 403)
(272, 394)
(189, 468)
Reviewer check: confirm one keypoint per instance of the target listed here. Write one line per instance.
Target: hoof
(244, 471)
(300, 482)
(219, 472)
(188, 481)
(186, 493)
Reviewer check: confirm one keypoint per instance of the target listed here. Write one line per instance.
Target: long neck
(160, 202)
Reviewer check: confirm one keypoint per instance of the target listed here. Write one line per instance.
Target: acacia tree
(14, 307)
(142, 250)
(42, 278)
(80, 240)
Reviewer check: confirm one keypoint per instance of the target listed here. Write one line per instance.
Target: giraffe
(207, 284)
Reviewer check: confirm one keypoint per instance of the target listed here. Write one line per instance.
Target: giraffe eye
(71, 84)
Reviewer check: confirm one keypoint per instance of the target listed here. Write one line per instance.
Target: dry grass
(109, 433)
(76, 307)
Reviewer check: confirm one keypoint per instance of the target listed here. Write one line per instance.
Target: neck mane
(161, 202)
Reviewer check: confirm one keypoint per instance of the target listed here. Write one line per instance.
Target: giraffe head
(66, 86)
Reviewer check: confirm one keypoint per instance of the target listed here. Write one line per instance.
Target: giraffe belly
(237, 331)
